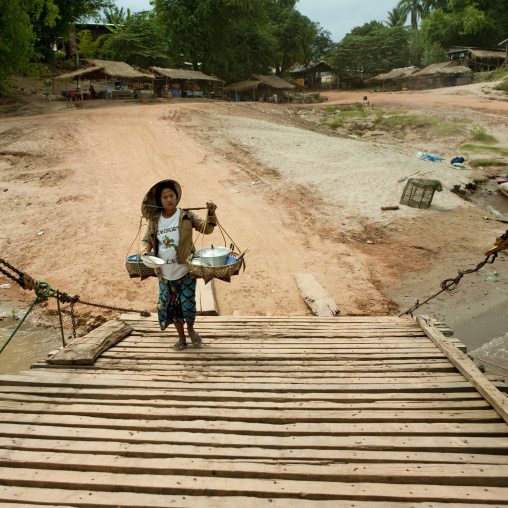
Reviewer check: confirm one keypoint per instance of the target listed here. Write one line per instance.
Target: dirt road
(73, 183)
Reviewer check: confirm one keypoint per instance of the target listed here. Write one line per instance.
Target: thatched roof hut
(183, 74)
(450, 68)
(393, 75)
(101, 69)
(258, 81)
(273, 82)
(440, 75)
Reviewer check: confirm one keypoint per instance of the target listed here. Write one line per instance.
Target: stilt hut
(113, 80)
(266, 86)
(185, 83)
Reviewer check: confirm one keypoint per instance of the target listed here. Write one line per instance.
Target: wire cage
(418, 192)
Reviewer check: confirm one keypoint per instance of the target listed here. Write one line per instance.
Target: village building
(259, 88)
(112, 80)
(314, 75)
(440, 75)
(395, 80)
(186, 83)
(477, 59)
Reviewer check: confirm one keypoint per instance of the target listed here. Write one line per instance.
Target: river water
(29, 345)
(32, 344)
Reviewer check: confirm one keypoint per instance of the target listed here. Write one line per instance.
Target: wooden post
(318, 300)
(467, 368)
(85, 350)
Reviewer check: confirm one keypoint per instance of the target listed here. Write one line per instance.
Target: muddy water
(29, 345)
(492, 201)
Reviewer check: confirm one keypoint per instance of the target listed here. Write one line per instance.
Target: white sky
(336, 16)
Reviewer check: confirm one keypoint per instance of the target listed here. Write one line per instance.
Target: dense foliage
(370, 50)
(236, 38)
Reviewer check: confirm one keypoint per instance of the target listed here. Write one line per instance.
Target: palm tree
(396, 17)
(418, 10)
(115, 16)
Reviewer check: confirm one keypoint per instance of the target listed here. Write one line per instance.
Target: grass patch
(486, 162)
(412, 122)
(485, 149)
(503, 86)
(479, 133)
(336, 123)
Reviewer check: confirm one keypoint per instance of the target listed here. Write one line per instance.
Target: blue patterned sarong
(177, 301)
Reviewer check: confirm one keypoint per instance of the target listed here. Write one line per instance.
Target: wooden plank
(206, 304)
(319, 301)
(404, 472)
(467, 367)
(218, 395)
(204, 378)
(386, 404)
(156, 432)
(51, 377)
(85, 350)
(278, 375)
(87, 498)
(315, 455)
(282, 488)
(252, 415)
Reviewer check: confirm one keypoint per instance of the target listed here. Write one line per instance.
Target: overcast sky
(336, 16)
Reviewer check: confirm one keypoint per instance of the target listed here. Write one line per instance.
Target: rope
(450, 285)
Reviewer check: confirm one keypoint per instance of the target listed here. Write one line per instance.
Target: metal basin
(214, 256)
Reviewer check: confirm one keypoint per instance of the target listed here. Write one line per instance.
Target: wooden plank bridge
(279, 412)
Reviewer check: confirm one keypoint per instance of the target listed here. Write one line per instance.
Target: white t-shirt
(168, 237)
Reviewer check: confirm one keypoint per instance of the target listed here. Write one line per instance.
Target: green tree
(17, 37)
(87, 46)
(68, 13)
(396, 17)
(115, 16)
(370, 50)
(228, 38)
(416, 9)
(138, 42)
(477, 23)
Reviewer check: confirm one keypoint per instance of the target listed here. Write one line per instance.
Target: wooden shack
(258, 87)
(186, 83)
(440, 75)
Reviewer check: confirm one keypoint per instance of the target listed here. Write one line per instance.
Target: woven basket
(207, 273)
(136, 268)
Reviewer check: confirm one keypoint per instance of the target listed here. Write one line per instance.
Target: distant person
(92, 92)
(169, 235)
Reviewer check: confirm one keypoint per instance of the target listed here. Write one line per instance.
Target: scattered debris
(5, 286)
(394, 207)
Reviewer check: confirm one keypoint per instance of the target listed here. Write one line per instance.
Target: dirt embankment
(301, 199)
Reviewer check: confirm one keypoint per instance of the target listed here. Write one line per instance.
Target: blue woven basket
(136, 268)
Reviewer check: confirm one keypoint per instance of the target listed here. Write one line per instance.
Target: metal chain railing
(450, 285)
(43, 290)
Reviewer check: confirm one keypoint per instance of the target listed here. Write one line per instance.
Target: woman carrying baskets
(169, 235)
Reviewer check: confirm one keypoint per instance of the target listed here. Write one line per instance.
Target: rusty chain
(27, 282)
(450, 285)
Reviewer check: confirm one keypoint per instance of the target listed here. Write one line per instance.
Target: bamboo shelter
(393, 80)
(440, 75)
(268, 85)
(129, 81)
(186, 83)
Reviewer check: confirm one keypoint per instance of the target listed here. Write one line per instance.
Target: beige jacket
(189, 220)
